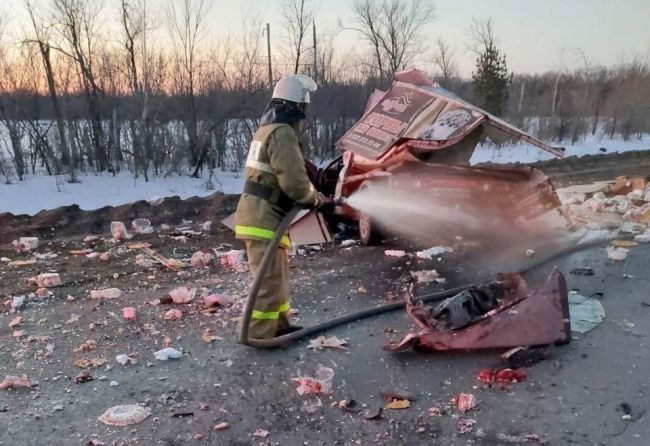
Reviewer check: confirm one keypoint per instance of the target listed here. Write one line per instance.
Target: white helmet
(294, 88)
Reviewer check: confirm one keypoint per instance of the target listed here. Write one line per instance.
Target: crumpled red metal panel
(539, 318)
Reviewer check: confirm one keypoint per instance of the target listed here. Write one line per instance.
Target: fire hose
(374, 311)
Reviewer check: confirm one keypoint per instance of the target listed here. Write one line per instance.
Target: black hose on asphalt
(374, 311)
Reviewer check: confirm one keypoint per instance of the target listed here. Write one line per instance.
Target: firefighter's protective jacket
(275, 162)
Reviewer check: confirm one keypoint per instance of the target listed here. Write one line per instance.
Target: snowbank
(526, 153)
(98, 190)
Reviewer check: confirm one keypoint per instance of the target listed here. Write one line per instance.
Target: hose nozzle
(339, 201)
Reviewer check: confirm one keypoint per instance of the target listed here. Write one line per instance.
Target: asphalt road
(573, 397)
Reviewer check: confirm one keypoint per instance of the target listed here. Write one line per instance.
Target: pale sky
(535, 35)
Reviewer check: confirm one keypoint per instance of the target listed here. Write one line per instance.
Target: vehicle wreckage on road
(419, 136)
(418, 132)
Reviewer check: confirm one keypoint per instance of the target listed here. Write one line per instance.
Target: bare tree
(394, 30)
(444, 60)
(297, 19)
(187, 29)
(42, 40)
(77, 22)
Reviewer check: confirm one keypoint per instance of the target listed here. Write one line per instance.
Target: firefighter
(276, 180)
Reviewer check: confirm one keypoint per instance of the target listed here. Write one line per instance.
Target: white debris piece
(617, 254)
(395, 253)
(124, 415)
(348, 242)
(123, 359)
(48, 280)
(322, 342)
(29, 243)
(118, 231)
(167, 353)
(530, 252)
(427, 276)
(107, 293)
(142, 226)
(643, 238)
(428, 254)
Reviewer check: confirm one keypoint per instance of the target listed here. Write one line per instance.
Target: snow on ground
(40, 192)
(98, 190)
(527, 153)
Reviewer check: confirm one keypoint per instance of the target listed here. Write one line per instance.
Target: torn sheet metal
(308, 228)
(538, 317)
(421, 113)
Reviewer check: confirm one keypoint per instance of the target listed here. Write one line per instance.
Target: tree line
(153, 94)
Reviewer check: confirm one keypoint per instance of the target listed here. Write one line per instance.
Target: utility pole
(268, 52)
(315, 76)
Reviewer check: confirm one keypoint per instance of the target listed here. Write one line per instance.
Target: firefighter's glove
(324, 204)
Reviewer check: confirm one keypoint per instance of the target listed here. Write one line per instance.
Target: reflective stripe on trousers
(272, 315)
(266, 234)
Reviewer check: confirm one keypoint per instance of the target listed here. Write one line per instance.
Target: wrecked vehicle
(420, 135)
(499, 314)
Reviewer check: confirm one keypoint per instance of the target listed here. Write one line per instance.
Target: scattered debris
(523, 438)
(321, 383)
(502, 377)
(464, 402)
(233, 259)
(124, 415)
(530, 252)
(18, 263)
(87, 346)
(182, 295)
(129, 313)
(259, 432)
(167, 353)
(348, 242)
(524, 357)
(46, 280)
(322, 342)
(173, 315)
(172, 264)
(397, 395)
(143, 261)
(398, 404)
(221, 300)
(465, 425)
(83, 377)
(627, 411)
(16, 321)
(427, 276)
(118, 231)
(221, 426)
(395, 253)
(430, 253)
(123, 359)
(435, 411)
(362, 290)
(16, 382)
(28, 243)
(203, 406)
(520, 317)
(182, 414)
(200, 259)
(373, 413)
(141, 226)
(582, 272)
(617, 254)
(209, 337)
(106, 293)
(17, 302)
(586, 313)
